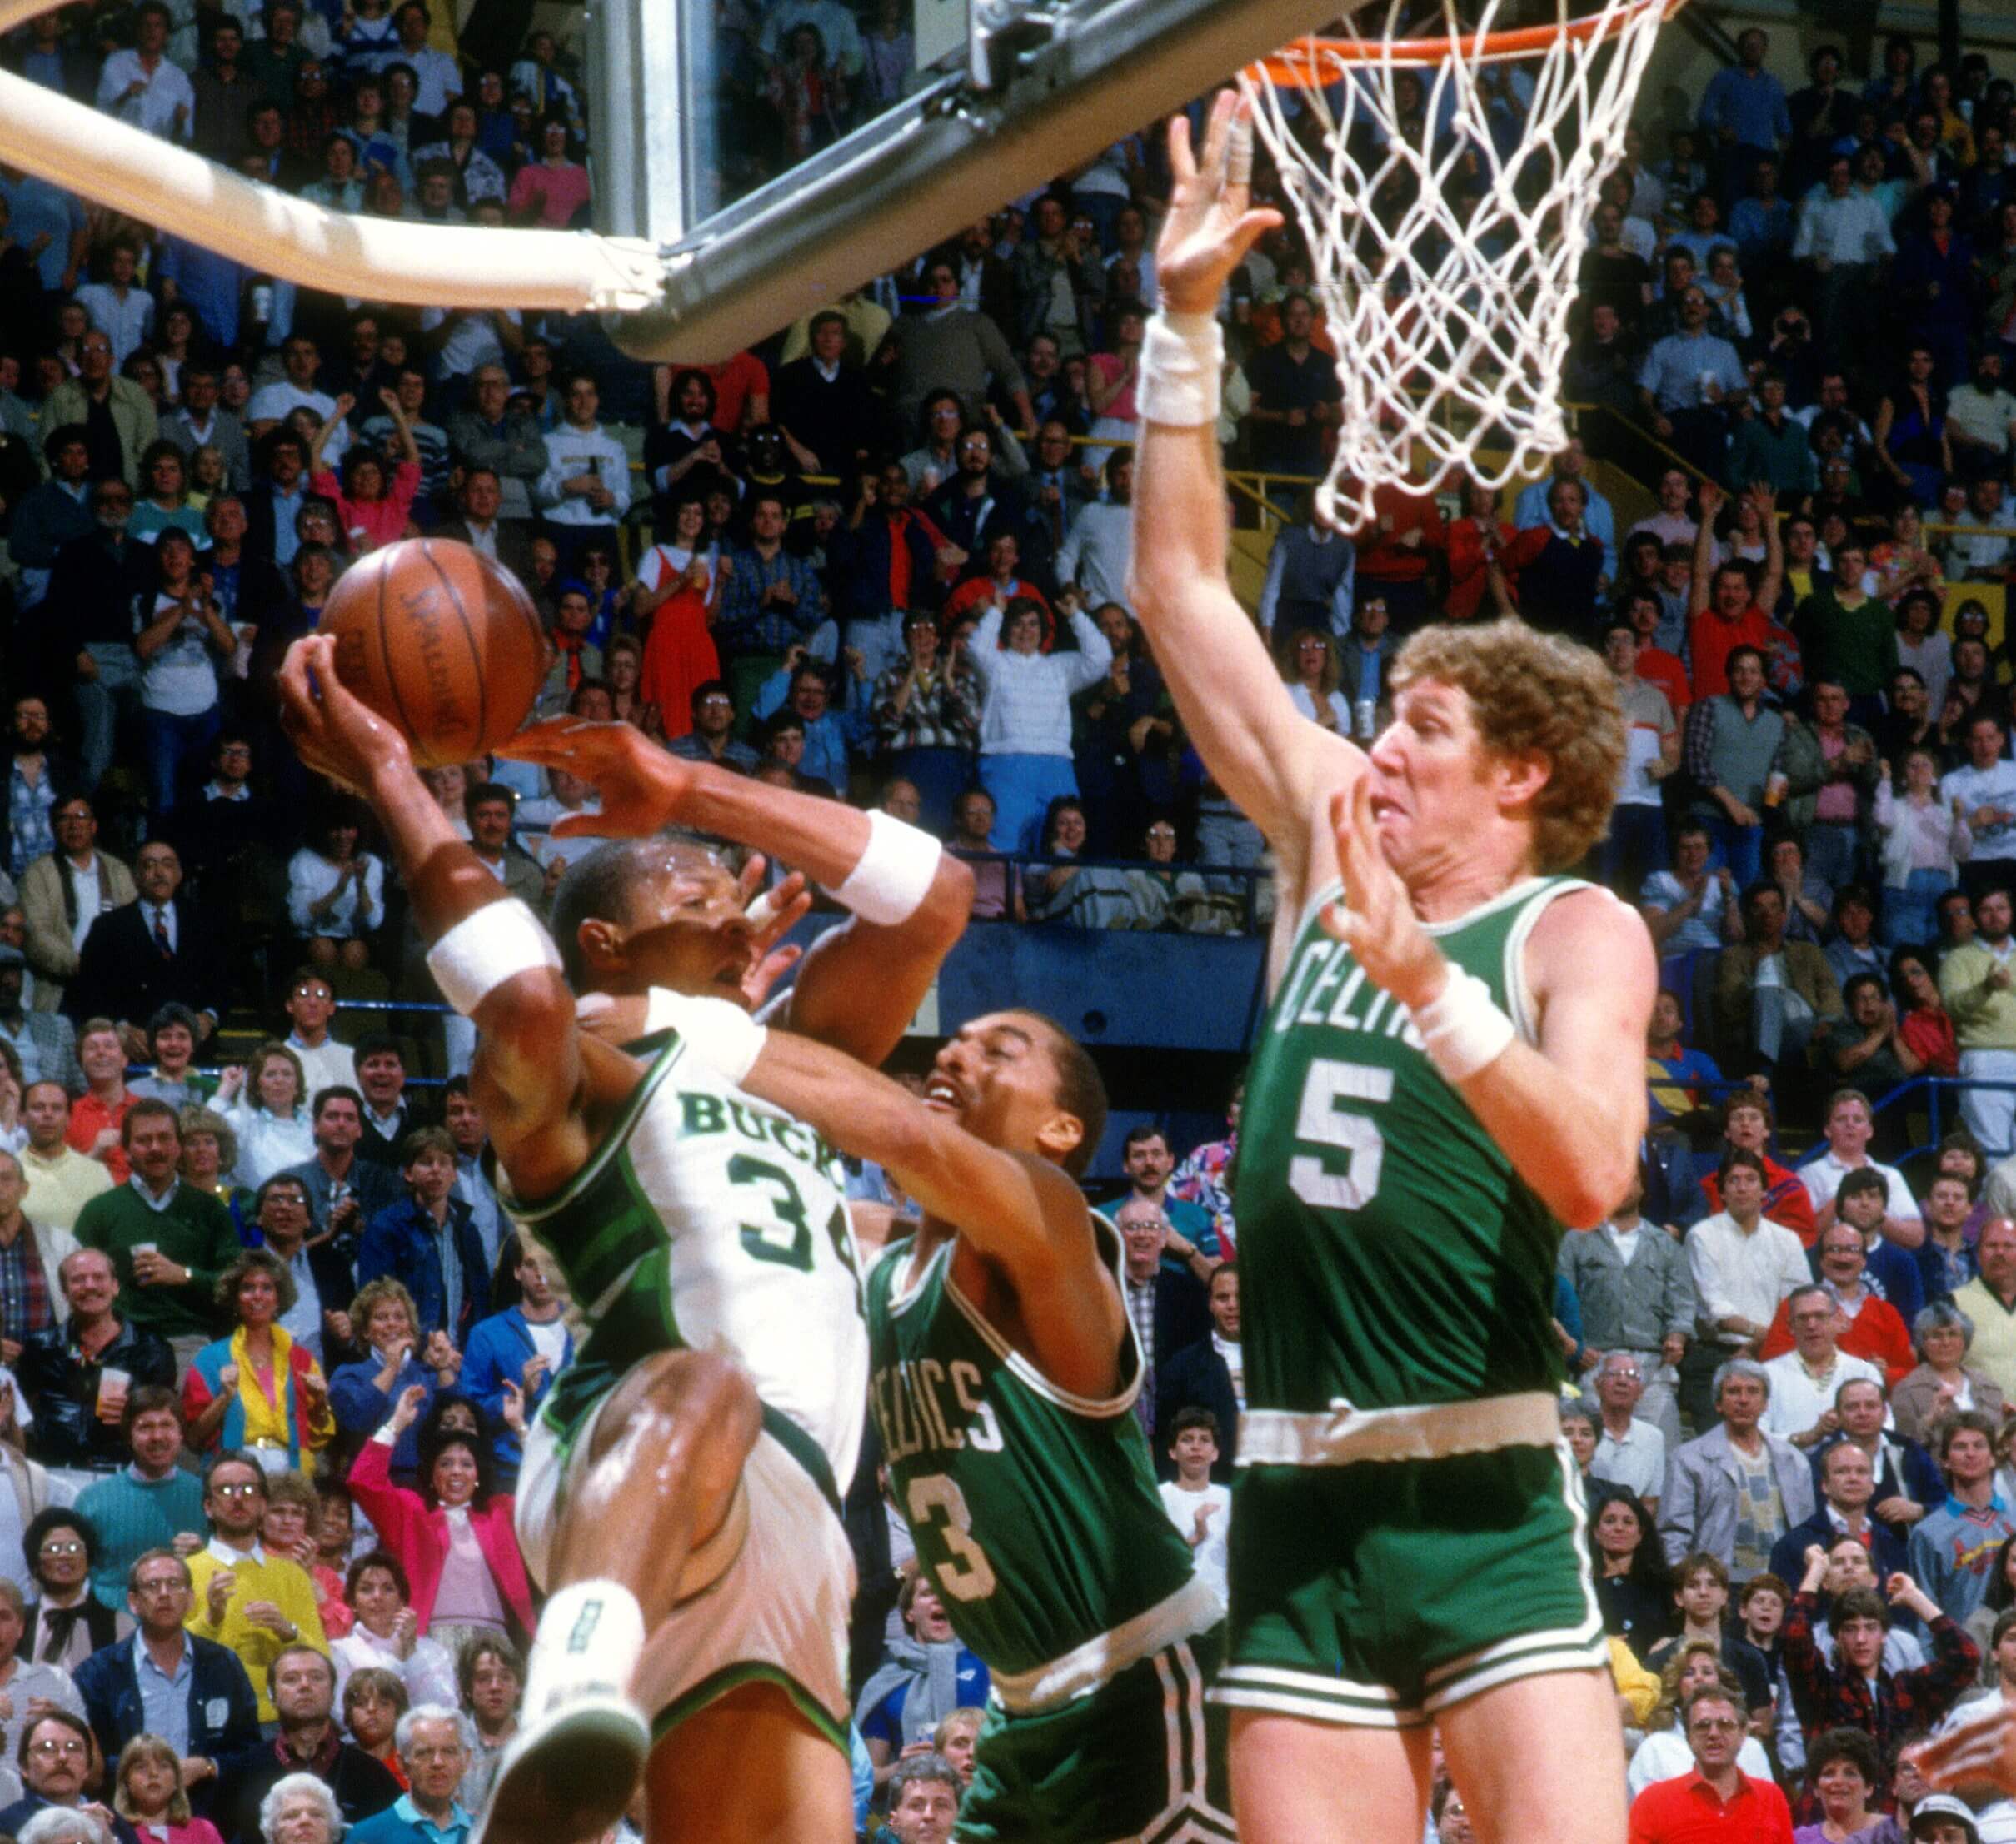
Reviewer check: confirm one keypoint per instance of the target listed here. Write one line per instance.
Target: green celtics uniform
(1407, 1529)
(1036, 1513)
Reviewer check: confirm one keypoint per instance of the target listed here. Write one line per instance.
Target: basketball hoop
(1443, 185)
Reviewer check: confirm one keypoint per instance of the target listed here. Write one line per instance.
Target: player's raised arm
(860, 984)
(1258, 748)
(493, 960)
(1018, 1210)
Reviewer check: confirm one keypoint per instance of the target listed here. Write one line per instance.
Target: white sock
(591, 1637)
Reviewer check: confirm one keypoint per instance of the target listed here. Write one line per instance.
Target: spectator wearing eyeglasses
(1742, 1808)
(245, 1598)
(67, 1624)
(117, 414)
(1629, 1452)
(57, 1761)
(191, 1693)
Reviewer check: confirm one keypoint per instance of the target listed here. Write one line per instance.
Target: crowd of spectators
(269, 1344)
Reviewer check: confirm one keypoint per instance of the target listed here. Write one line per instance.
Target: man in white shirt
(1743, 1265)
(123, 313)
(1981, 417)
(586, 481)
(1842, 234)
(325, 1062)
(143, 86)
(437, 75)
(1985, 788)
(272, 403)
(1805, 1379)
(1629, 1452)
(1099, 548)
(1849, 1125)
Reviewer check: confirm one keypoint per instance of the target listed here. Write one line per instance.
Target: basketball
(441, 642)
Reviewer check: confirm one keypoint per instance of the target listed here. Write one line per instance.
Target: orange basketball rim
(1311, 63)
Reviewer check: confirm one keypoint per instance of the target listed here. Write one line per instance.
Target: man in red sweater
(1717, 1799)
(1393, 552)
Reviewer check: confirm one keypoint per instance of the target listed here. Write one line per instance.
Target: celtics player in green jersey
(1450, 1072)
(678, 1501)
(1003, 1380)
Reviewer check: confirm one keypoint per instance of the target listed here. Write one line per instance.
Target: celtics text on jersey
(1035, 1510)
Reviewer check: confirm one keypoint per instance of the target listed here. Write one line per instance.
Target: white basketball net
(1446, 260)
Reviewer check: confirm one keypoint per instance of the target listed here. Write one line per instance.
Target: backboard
(699, 250)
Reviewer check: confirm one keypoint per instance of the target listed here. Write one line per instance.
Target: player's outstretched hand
(1983, 1749)
(1209, 228)
(642, 786)
(1375, 920)
(334, 732)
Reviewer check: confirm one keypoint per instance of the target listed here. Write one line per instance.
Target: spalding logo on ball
(441, 641)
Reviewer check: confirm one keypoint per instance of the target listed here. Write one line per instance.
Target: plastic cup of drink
(1774, 788)
(113, 1383)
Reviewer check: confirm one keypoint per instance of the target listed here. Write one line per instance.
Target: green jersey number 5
(1327, 1119)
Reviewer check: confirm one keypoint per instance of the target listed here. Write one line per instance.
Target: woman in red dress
(674, 602)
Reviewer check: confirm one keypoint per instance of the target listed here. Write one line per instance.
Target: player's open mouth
(1384, 807)
(939, 1093)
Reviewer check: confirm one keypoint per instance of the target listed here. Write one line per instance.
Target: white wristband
(718, 1028)
(487, 947)
(893, 875)
(1462, 1029)
(1182, 360)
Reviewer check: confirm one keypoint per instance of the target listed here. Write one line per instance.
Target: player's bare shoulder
(1592, 946)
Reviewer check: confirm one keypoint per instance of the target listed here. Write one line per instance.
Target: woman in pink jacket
(456, 1541)
(371, 511)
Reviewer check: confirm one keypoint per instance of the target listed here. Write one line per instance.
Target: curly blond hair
(1535, 694)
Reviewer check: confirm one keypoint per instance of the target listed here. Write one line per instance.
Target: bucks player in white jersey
(1006, 1374)
(1499, 767)
(679, 1500)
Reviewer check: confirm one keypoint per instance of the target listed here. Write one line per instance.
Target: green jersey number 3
(1326, 1119)
(936, 1501)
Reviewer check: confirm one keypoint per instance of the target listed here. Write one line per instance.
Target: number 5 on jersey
(1326, 1120)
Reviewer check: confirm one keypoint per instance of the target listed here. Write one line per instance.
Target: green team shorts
(1141, 1757)
(1377, 1594)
